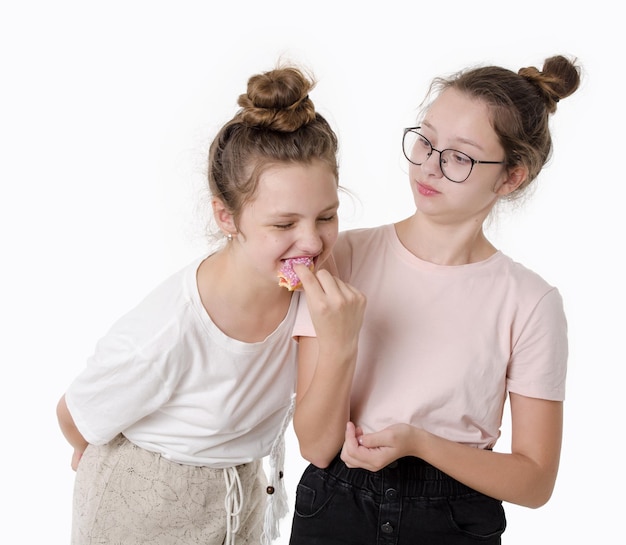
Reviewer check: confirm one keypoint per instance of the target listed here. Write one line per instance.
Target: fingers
(324, 281)
(307, 277)
(365, 451)
(336, 310)
(76, 459)
(351, 432)
(350, 446)
(354, 454)
(315, 280)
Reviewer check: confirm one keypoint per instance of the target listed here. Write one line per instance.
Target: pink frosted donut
(287, 276)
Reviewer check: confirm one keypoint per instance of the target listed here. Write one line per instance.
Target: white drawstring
(233, 503)
(277, 506)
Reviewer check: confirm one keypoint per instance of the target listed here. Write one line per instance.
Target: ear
(223, 217)
(515, 176)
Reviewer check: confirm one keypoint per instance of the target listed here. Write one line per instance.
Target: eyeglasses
(455, 165)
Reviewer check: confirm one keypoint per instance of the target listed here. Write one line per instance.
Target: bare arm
(70, 431)
(326, 365)
(526, 476)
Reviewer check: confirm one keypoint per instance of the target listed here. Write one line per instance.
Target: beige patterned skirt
(127, 495)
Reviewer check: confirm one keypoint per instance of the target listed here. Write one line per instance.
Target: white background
(106, 113)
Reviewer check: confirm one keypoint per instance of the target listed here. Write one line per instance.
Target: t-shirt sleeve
(538, 364)
(121, 383)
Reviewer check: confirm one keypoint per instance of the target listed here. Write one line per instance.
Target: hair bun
(278, 100)
(558, 79)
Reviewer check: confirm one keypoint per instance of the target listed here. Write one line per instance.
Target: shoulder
(533, 298)
(160, 312)
(521, 276)
(355, 241)
(355, 247)
(362, 235)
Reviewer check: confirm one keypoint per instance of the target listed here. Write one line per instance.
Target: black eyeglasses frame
(440, 152)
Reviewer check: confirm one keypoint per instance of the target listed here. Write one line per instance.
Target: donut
(287, 277)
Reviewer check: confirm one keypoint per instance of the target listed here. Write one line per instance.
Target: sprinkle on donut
(287, 276)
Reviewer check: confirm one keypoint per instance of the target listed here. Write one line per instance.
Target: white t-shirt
(168, 379)
(441, 345)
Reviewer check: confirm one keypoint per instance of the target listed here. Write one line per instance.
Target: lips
(304, 259)
(426, 190)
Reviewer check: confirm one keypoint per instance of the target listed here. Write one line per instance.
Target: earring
(229, 237)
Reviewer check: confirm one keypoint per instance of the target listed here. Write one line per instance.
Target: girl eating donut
(189, 390)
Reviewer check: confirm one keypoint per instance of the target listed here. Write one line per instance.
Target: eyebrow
(459, 139)
(329, 208)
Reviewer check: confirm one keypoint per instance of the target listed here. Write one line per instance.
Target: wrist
(340, 353)
(420, 440)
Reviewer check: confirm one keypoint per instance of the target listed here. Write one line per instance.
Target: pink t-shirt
(441, 346)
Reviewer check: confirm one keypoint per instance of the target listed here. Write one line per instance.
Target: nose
(432, 165)
(310, 240)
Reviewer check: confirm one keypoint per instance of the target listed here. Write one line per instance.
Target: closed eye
(328, 218)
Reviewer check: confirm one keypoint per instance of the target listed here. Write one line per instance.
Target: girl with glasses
(400, 425)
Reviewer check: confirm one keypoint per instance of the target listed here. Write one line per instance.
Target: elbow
(316, 456)
(539, 499)
(535, 504)
(319, 451)
(538, 496)
(62, 411)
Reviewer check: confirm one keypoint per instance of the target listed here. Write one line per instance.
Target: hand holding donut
(336, 308)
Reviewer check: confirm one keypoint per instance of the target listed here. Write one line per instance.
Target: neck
(240, 302)
(444, 244)
(237, 284)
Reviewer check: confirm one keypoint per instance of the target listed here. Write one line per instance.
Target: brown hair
(276, 123)
(520, 105)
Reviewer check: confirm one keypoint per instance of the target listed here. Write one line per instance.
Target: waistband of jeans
(410, 476)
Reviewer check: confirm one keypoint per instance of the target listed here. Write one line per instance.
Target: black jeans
(409, 502)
